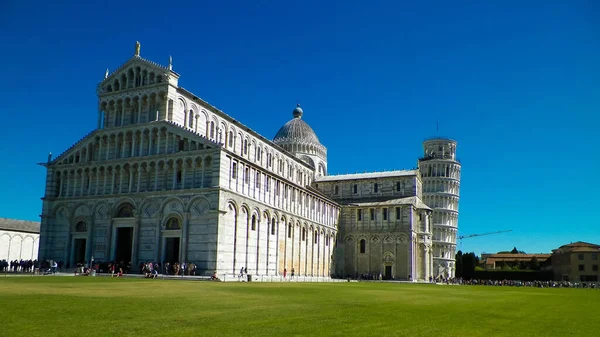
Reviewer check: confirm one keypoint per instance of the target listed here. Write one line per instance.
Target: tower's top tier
(439, 148)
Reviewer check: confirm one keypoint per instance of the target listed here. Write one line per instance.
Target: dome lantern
(298, 111)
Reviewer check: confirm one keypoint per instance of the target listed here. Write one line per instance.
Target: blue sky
(517, 85)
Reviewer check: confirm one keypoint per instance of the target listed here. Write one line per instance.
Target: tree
(469, 262)
(534, 264)
(458, 266)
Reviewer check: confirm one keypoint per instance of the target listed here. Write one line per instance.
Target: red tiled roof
(578, 246)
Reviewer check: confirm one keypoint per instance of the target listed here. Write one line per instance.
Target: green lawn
(99, 306)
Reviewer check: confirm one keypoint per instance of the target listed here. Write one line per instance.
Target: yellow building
(497, 261)
(576, 262)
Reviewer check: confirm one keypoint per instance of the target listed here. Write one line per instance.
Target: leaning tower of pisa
(440, 172)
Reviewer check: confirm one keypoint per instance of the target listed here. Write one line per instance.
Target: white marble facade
(16, 245)
(384, 229)
(440, 171)
(168, 177)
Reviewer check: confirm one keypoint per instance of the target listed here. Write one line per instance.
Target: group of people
(180, 268)
(18, 266)
(518, 283)
(149, 269)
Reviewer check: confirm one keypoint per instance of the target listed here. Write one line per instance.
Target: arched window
(245, 146)
(273, 226)
(125, 211)
(363, 246)
(191, 119)
(303, 234)
(230, 139)
(253, 223)
(81, 227)
(316, 237)
(290, 231)
(173, 224)
(212, 130)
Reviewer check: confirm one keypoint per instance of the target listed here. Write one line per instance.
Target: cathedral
(167, 177)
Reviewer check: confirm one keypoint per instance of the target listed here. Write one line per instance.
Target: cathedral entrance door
(124, 243)
(79, 250)
(171, 250)
(388, 273)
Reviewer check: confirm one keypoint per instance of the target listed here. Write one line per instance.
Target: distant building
(497, 261)
(576, 261)
(19, 239)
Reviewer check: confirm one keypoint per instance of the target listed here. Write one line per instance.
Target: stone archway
(123, 240)
(171, 240)
(79, 243)
(388, 266)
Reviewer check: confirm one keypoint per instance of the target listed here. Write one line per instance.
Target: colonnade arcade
(441, 201)
(133, 77)
(445, 235)
(444, 250)
(441, 186)
(267, 243)
(437, 169)
(133, 109)
(18, 246)
(156, 106)
(132, 143)
(445, 218)
(443, 268)
(134, 177)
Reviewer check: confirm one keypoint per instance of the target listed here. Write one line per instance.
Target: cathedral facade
(167, 177)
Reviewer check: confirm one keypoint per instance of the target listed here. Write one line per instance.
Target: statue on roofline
(137, 48)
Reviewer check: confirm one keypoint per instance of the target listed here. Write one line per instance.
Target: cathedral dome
(296, 131)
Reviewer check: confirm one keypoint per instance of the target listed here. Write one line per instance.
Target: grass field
(81, 306)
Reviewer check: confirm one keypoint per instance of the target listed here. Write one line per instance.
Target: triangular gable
(136, 61)
(74, 148)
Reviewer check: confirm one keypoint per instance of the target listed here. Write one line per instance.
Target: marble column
(158, 248)
(184, 237)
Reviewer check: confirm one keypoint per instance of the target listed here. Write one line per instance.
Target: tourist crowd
(518, 283)
(18, 266)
